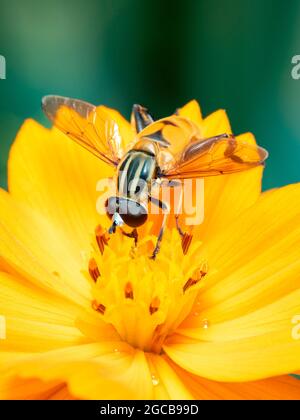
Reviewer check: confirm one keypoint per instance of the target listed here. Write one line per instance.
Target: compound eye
(112, 206)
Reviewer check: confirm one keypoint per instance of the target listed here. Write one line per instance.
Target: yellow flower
(90, 317)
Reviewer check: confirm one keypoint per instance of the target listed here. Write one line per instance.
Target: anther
(203, 269)
(191, 282)
(197, 276)
(154, 305)
(102, 237)
(128, 291)
(98, 307)
(94, 270)
(186, 242)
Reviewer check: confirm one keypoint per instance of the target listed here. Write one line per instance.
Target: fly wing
(87, 125)
(215, 156)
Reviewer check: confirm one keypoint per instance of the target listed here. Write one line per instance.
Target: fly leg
(166, 211)
(173, 184)
(177, 184)
(133, 234)
(141, 117)
(116, 221)
(186, 237)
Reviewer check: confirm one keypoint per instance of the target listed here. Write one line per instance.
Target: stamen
(128, 291)
(98, 307)
(154, 305)
(191, 282)
(94, 270)
(102, 237)
(186, 242)
(203, 269)
(143, 306)
(197, 276)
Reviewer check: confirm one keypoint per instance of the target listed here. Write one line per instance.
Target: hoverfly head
(126, 211)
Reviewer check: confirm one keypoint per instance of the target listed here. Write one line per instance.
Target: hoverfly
(166, 150)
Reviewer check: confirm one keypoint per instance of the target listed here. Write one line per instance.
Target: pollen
(144, 300)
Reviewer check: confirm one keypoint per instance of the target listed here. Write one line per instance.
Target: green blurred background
(233, 54)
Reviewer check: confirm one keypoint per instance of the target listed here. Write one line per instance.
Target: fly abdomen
(136, 170)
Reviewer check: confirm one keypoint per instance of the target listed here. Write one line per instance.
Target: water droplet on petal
(196, 314)
(155, 380)
(116, 350)
(205, 324)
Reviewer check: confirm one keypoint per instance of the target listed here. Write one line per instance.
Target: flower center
(144, 300)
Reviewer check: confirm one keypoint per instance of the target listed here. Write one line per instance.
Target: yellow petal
(40, 252)
(110, 370)
(167, 384)
(35, 320)
(279, 388)
(256, 260)
(215, 124)
(192, 111)
(62, 393)
(58, 178)
(226, 196)
(251, 297)
(247, 359)
(13, 388)
(9, 358)
(269, 319)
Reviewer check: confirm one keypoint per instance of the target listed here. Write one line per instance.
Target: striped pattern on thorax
(136, 169)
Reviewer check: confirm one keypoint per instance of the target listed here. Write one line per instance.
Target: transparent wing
(215, 156)
(87, 125)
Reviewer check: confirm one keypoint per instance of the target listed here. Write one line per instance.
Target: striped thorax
(136, 170)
